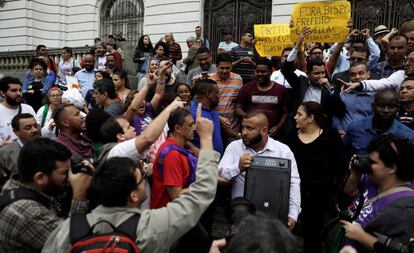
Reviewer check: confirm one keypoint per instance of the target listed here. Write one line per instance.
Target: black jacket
(330, 101)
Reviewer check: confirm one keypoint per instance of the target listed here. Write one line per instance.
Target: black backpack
(121, 239)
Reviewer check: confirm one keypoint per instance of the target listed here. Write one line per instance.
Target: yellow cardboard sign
(327, 20)
(271, 39)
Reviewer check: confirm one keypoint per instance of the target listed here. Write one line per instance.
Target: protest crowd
(92, 161)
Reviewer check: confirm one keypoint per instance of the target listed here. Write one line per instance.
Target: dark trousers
(315, 207)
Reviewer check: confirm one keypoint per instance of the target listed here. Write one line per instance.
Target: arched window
(126, 16)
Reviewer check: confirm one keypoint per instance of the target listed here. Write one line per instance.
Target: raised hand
(366, 33)
(347, 86)
(175, 105)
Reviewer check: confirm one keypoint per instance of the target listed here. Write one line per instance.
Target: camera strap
(387, 193)
(22, 193)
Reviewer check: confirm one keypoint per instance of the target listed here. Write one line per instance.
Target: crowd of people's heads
(240, 92)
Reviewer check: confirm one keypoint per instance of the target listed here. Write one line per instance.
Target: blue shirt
(358, 106)
(213, 116)
(86, 80)
(360, 133)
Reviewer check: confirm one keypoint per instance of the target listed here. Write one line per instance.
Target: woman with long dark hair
(321, 161)
(142, 53)
(121, 82)
(36, 84)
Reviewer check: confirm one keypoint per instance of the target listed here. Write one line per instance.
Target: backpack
(192, 161)
(121, 239)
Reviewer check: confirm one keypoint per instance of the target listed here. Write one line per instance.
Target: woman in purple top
(389, 179)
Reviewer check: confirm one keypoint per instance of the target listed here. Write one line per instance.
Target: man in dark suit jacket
(315, 87)
(26, 128)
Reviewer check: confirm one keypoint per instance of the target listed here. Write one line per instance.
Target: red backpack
(120, 240)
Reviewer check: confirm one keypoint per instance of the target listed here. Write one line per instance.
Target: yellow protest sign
(327, 20)
(271, 39)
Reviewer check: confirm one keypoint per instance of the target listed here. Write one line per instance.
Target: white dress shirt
(229, 169)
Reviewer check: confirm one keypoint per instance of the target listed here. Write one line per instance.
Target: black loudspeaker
(267, 186)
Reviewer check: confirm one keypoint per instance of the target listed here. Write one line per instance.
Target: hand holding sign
(328, 21)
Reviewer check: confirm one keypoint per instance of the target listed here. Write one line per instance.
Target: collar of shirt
(267, 147)
(369, 127)
(19, 142)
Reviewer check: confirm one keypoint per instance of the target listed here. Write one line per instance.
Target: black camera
(391, 245)
(77, 165)
(361, 164)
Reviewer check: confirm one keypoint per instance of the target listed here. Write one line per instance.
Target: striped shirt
(228, 92)
(244, 69)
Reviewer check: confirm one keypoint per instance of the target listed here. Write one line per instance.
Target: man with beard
(71, 124)
(206, 67)
(207, 93)
(26, 128)
(255, 142)
(100, 57)
(11, 91)
(382, 122)
(265, 96)
(44, 172)
(110, 64)
(86, 76)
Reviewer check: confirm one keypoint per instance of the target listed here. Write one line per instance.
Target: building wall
(178, 17)
(282, 9)
(25, 24)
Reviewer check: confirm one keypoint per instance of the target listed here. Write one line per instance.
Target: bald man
(255, 142)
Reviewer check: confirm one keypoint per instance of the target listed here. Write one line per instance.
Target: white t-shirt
(6, 117)
(125, 149)
(39, 115)
(278, 77)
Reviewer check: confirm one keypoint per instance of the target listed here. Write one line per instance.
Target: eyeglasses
(144, 176)
(55, 95)
(356, 59)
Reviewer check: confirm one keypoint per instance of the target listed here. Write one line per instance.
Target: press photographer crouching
(28, 208)
(387, 187)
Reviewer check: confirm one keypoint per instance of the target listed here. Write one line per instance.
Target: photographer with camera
(29, 211)
(384, 182)
(120, 188)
